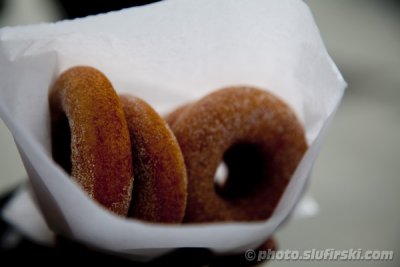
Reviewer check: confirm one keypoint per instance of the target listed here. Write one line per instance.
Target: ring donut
(90, 137)
(257, 136)
(171, 117)
(160, 190)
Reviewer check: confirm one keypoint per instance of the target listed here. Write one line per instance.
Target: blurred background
(356, 180)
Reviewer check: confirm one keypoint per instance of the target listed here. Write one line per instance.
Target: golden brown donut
(258, 137)
(90, 137)
(160, 190)
(171, 117)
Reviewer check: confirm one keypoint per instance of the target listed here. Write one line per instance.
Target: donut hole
(61, 143)
(241, 171)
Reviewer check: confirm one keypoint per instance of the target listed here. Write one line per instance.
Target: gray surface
(356, 177)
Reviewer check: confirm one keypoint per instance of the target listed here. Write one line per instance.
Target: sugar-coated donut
(257, 136)
(90, 137)
(160, 190)
(172, 116)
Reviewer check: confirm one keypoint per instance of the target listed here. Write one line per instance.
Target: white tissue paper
(167, 53)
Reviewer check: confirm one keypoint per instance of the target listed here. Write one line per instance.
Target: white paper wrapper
(168, 53)
(23, 214)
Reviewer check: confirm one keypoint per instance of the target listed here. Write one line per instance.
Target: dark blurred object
(77, 9)
(1, 6)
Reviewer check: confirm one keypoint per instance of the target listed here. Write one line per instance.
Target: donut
(160, 190)
(172, 116)
(259, 139)
(90, 137)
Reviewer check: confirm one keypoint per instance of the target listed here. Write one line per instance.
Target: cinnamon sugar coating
(171, 117)
(257, 136)
(90, 137)
(160, 190)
